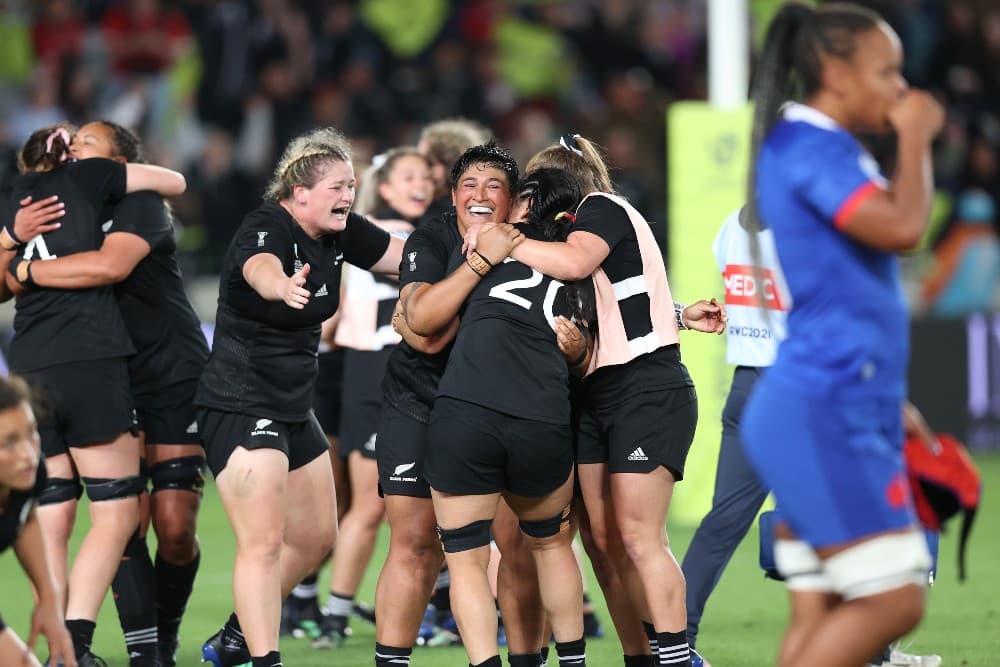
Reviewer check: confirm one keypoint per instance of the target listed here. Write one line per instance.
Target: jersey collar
(795, 112)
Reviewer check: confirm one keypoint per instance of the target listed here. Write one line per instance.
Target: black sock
(673, 648)
(491, 662)
(651, 637)
(544, 654)
(305, 596)
(174, 584)
(82, 632)
(523, 659)
(572, 653)
(134, 588)
(390, 656)
(640, 660)
(272, 659)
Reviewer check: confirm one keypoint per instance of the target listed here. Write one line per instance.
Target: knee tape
(879, 565)
(181, 474)
(547, 527)
(60, 490)
(801, 568)
(102, 488)
(472, 536)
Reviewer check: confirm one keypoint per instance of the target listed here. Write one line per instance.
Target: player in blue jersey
(823, 426)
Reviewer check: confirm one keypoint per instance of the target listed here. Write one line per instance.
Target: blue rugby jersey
(848, 326)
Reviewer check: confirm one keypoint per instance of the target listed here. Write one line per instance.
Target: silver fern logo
(413, 261)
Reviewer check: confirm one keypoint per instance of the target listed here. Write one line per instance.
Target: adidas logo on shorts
(638, 455)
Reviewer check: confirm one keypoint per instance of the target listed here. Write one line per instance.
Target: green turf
(741, 628)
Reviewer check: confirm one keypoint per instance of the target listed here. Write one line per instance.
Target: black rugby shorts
(475, 450)
(83, 403)
(641, 432)
(402, 449)
(168, 417)
(223, 432)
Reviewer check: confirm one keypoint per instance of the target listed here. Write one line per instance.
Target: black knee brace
(181, 474)
(102, 488)
(472, 536)
(60, 490)
(546, 527)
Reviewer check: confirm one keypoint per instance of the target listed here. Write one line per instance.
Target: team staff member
(395, 192)
(501, 424)
(139, 256)
(281, 280)
(22, 479)
(757, 303)
(823, 426)
(73, 344)
(642, 405)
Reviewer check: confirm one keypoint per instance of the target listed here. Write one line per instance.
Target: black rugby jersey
(19, 506)
(56, 326)
(166, 332)
(505, 356)
(659, 369)
(263, 359)
(411, 378)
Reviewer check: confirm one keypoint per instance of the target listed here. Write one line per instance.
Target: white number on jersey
(37, 243)
(504, 291)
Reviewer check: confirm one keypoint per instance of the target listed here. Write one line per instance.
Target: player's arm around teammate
(171, 352)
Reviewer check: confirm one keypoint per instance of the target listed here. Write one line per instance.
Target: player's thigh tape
(802, 569)
(102, 488)
(471, 536)
(60, 490)
(181, 474)
(880, 564)
(546, 527)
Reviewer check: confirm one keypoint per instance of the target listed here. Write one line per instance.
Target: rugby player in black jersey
(280, 281)
(410, 385)
(22, 478)
(138, 255)
(501, 426)
(642, 409)
(73, 344)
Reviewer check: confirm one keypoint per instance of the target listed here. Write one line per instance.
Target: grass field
(741, 628)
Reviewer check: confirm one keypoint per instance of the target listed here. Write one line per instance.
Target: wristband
(478, 263)
(13, 237)
(582, 358)
(679, 316)
(14, 265)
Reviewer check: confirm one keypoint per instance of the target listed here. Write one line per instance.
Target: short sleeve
(262, 233)
(145, 215)
(364, 243)
(425, 257)
(104, 180)
(603, 217)
(837, 177)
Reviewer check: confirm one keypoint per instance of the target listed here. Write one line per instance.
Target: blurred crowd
(217, 87)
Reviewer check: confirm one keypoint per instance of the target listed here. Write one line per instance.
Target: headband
(568, 141)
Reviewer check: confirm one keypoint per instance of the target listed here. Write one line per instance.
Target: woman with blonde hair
(281, 280)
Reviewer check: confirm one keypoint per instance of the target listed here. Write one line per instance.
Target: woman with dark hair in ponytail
(138, 256)
(73, 344)
(641, 409)
(823, 426)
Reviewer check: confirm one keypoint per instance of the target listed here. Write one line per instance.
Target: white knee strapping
(800, 566)
(879, 565)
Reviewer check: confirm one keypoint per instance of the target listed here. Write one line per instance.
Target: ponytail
(773, 86)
